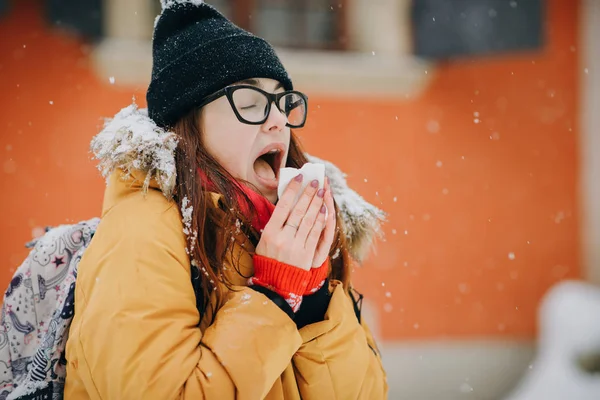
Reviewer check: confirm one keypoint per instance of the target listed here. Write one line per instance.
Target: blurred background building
(473, 123)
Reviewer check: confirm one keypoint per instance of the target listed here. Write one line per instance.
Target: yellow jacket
(136, 333)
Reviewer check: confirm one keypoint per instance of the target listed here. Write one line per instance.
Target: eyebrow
(257, 83)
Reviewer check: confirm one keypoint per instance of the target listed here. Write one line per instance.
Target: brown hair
(211, 229)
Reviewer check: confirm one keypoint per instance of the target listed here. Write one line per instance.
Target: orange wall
(467, 194)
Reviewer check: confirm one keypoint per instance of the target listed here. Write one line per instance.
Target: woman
(199, 281)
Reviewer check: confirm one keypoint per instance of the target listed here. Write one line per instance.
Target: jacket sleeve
(138, 337)
(338, 358)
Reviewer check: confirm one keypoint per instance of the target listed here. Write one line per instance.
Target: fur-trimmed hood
(131, 141)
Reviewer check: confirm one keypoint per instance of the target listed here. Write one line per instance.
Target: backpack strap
(197, 285)
(357, 299)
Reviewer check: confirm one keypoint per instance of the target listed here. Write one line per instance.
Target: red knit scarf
(264, 208)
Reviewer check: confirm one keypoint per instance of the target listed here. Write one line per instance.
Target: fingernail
(299, 178)
(314, 183)
(321, 193)
(323, 209)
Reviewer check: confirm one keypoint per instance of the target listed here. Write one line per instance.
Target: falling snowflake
(433, 126)
(466, 388)
(37, 232)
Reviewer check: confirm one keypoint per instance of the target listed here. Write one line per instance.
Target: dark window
(308, 24)
(3, 7)
(84, 17)
(452, 28)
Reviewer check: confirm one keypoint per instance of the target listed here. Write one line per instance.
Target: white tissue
(310, 172)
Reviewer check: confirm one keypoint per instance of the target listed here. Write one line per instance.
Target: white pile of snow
(567, 366)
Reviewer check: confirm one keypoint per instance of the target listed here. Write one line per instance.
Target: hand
(326, 239)
(292, 234)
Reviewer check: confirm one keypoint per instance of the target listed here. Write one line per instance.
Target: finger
(299, 211)
(329, 203)
(311, 216)
(319, 255)
(326, 239)
(285, 203)
(331, 221)
(315, 233)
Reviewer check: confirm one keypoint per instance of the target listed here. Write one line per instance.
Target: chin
(268, 192)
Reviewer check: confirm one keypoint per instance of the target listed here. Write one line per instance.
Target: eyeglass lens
(252, 106)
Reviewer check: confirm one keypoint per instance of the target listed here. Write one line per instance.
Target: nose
(276, 120)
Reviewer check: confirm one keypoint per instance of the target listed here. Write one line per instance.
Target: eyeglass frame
(271, 97)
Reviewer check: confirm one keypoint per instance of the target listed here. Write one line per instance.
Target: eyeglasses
(252, 105)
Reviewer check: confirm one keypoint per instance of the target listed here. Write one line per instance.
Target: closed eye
(289, 107)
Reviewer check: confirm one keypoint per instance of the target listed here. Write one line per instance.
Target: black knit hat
(196, 52)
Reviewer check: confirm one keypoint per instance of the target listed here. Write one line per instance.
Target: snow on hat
(196, 52)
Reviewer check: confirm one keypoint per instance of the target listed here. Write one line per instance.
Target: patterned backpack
(36, 314)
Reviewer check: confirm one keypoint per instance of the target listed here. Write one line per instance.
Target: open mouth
(267, 165)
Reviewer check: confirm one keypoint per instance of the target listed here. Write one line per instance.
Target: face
(253, 153)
